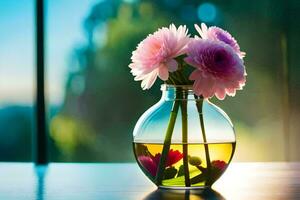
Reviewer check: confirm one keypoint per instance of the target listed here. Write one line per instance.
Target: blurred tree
(15, 133)
(103, 102)
(100, 92)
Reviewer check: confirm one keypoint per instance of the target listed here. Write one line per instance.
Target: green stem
(185, 140)
(177, 79)
(170, 81)
(199, 103)
(178, 76)
(183, 77)
(167, 143)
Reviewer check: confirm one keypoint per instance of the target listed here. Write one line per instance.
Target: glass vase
(183, 141)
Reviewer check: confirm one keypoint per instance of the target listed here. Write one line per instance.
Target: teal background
(92, 100)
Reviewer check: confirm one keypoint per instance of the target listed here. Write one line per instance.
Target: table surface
(126, 181)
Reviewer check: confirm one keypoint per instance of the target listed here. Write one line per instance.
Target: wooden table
(250, 181)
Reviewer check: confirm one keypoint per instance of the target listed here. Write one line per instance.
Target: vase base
(183, 187)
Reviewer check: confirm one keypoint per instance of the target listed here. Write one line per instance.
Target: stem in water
(185, 139)
(199, 104)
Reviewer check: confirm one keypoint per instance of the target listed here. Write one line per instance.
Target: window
(93, 102)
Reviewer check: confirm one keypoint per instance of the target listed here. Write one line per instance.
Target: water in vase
(200, 170)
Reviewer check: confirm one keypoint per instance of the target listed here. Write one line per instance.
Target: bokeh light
(207, 12)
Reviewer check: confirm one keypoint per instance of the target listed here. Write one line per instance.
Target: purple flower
(219, 70)
(216, 33)
(149, 164)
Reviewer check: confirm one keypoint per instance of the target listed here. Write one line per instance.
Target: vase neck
(177, 92)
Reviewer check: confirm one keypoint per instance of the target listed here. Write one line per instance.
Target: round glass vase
(183, 141)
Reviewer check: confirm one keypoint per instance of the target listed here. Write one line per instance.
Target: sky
(64, 32)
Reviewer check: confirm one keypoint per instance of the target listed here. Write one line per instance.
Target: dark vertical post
(40, 149)
(285, 23)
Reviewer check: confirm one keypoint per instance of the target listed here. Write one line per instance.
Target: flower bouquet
(184, 140)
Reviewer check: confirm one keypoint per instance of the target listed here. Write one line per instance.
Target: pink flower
(216, 33)
(219, 70)
(219, 164)
(151, 162)
(155, 55)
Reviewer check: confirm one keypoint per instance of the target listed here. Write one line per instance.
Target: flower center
(220, 60)
(219, 64)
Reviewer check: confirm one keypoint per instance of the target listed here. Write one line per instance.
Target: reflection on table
(255, 181)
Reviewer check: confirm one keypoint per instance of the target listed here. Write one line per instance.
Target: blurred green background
(93, 102)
